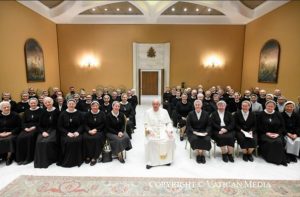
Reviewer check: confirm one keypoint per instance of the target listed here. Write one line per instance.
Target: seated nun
(160, 142)
(292, 127)
(271, 131)
(94, 136)
(6, 96)
(23, 105)
(183, 108)
(106, 106)
(245, 126)
(71, 126)
(127, 109)
(198, 131)
(25, 144)
(116, 131)
(46, 151)
(10, 126)
(222, 125)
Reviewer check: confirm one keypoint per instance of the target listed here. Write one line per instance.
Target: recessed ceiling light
(118, 9)
(94, 9)
(173, 9)
(105, 9)
(197, 9)
(209, 9)
(129, 9)
(185, 9)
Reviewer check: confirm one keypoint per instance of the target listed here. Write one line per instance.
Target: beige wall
(112, 44)
(283, 25)
(17, 24)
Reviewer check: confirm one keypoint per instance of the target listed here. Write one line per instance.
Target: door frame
(140, 63)
(159, 83)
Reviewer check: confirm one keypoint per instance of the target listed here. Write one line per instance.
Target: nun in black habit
(25, 144)
(10, 125)
(46, 151)
(94, 135)
(71, 127)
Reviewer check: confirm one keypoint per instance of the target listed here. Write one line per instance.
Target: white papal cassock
(159, 146)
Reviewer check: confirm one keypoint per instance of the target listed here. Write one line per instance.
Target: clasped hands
(292, 136)
(93, 131)
(272, 135)
(5, 134)
(222, 131)
(30, 129)
(75, 134)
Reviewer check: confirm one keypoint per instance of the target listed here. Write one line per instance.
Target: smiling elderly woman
(10, 125)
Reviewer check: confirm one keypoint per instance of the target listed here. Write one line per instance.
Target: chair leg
(124, 154)
(186, 142)
(191, 152)
(214, 149)
(256, 151)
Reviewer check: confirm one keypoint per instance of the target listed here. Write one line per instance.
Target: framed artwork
(34, 58)
(269, 62)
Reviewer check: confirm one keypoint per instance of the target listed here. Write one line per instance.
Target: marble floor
(182, 166)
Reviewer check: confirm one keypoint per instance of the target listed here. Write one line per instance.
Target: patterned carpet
(42, 186)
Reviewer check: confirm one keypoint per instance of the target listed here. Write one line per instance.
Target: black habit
(46, 151)
(225, 139)
(199, 125)
(25, 144)
(71, 147)
(272, 149)
(93, 144)
(114, 125)
(245, 125)
(9, 123)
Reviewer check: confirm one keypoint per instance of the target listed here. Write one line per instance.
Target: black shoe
(293, 158)
(93, 162)
(288, 158)
(26, 162)
(245, 157)
(250, 158)
(225, 158)
(121, 160)
(203, 159)
(284, 163)
(148, 166)
(198, 159)
(168, 164)
(9, 161)
(87, 160)
(181, 138)
(20, 163)
(230, 158)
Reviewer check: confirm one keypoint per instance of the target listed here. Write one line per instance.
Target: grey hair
(3, 103)
(115, 102)
(198, 102)
(48, 99)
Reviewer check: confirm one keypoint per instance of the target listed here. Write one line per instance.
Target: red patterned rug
(56, 186)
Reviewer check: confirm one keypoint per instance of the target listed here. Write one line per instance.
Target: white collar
(34, 109)
(5, 114)
(269, 112)
(52, 109)
(94, 112)
(75, 110)
(115, 115)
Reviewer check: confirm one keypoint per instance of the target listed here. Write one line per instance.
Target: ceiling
(153, 12)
